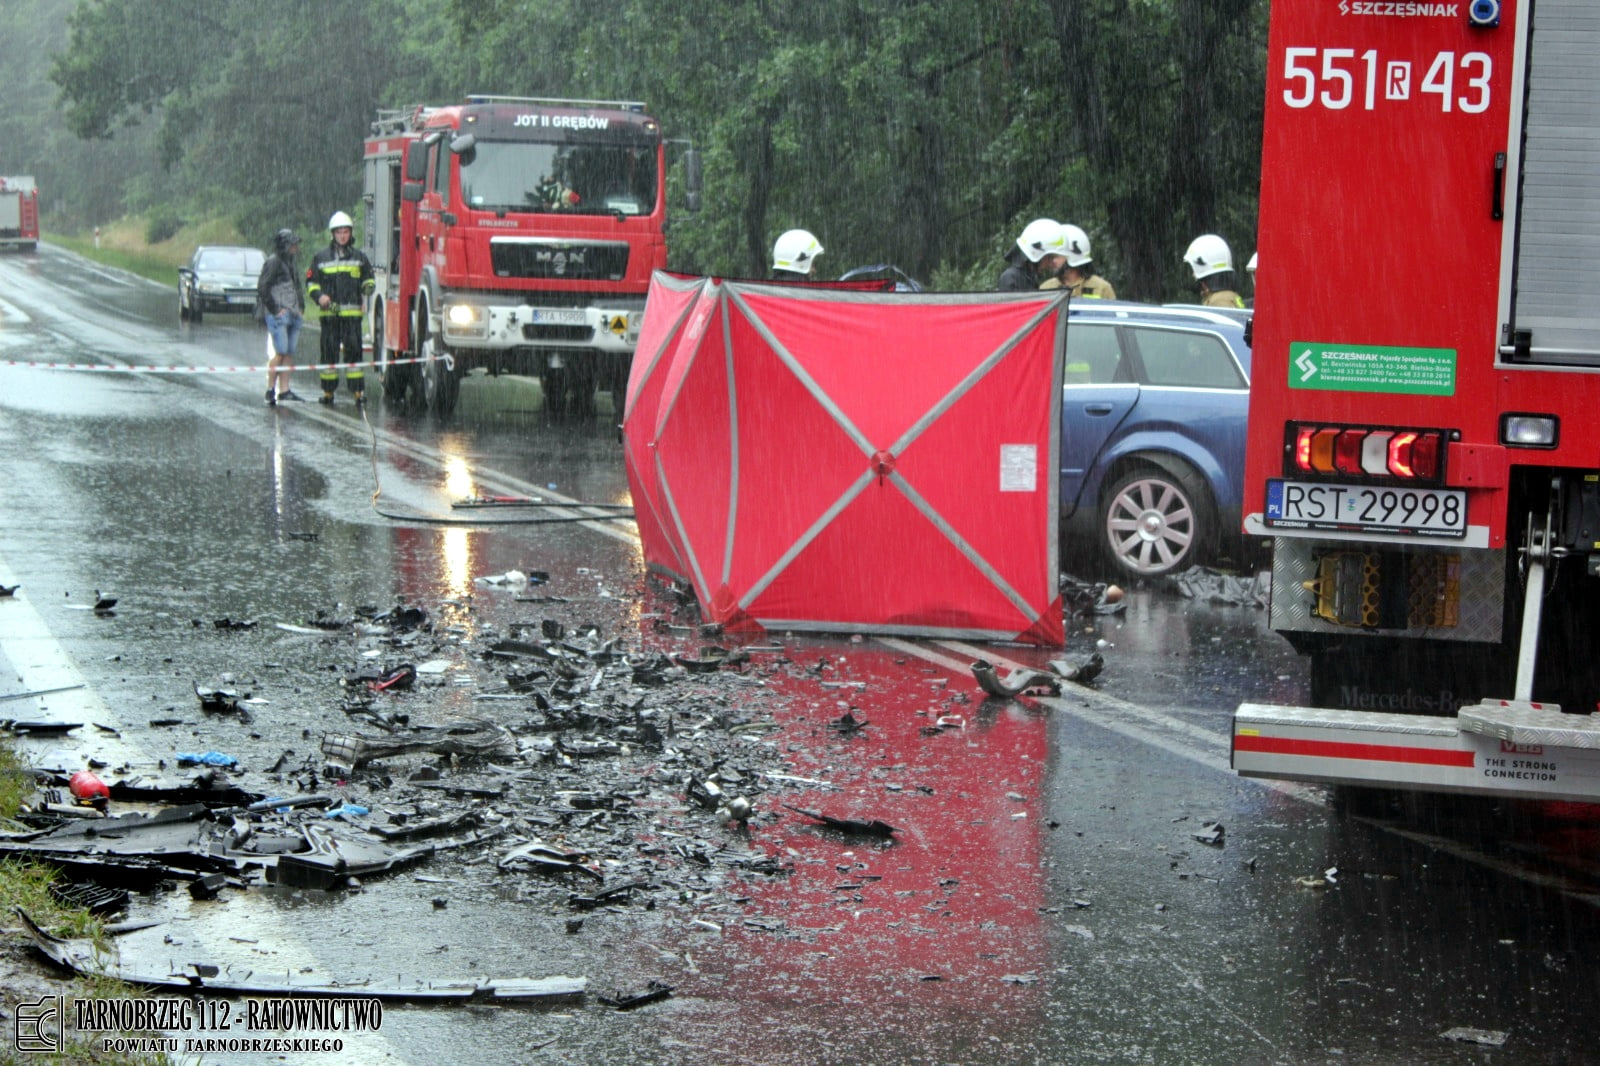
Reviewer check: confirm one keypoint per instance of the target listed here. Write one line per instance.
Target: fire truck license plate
(560, 317)
(1361, 509)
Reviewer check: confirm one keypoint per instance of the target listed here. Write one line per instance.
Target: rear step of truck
(1498, 747)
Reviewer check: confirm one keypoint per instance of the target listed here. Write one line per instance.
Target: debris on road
(83, 957)
(655, 990)
(1016, 683)
(873, 828)
(1211, 834)
(1469, 1035)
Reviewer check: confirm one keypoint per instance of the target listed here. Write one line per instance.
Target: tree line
(914, 132)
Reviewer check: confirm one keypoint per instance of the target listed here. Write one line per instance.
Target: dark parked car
(219, 277)
(1153, 409)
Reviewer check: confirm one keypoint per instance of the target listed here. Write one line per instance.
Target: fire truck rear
(1423, 447)
(19, 213)
(517, 235)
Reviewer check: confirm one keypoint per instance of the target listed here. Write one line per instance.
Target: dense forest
(925, 133)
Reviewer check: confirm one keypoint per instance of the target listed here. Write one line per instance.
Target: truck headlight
(468, 319)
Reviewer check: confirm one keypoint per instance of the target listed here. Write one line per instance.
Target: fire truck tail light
(1530, 431)
(1347, 452)
(1366, 452)
(1375, 454)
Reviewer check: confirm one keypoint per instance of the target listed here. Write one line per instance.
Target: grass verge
(122, 244)
(27, 885)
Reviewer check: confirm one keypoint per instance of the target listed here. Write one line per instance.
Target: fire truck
(19, 213)
(1423, 447)
(517, 235)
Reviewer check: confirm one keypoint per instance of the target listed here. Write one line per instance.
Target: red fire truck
(19, 213)
(517, 235)
(1423, 448)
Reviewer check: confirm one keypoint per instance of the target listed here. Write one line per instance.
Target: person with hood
(1040, 251)
(794, 254)
(1212, 262)
(278, 293)
(338, 281)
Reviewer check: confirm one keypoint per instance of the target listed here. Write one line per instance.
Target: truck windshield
(586, 179)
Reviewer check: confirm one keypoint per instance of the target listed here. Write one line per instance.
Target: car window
(230, 260)
(1093, 355)
(1187, 359)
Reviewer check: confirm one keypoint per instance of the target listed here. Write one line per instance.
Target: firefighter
(338, 280)
(1040, 252)
(794, 254)
(1208, 256)
(1077, 273)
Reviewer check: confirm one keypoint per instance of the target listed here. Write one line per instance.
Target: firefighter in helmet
(794, 254)
(1077, 272)
(1040, 251)
(1208, 256)
(338, 281)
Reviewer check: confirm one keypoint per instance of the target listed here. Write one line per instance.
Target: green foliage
(162, 223)
(910, 131)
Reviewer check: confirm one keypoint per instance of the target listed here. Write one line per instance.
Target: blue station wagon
(1153, 408)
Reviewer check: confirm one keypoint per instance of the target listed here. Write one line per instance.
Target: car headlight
(210, 287)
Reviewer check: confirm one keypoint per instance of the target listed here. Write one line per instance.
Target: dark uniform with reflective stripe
(343, 273)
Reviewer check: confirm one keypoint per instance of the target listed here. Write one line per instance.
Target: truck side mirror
(462, 144)
(411, 192)
(417, 157)
(693, 180)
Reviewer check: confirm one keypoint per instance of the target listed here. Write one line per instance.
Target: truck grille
(566, 260)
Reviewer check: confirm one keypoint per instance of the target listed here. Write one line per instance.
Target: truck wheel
(441, 386)
(554, 382)
(1154, 523)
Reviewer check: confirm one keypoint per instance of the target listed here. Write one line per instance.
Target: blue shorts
(284, 328)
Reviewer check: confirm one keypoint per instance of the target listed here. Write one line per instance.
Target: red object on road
(88, 789)
(857, 462)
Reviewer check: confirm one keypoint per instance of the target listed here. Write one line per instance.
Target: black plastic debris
(207, 886)
(854, 826)
(40, 728)
(1229, 590)
(848, 723)
(1016, 683)
(96, 899)
(103, 604)
(8, 590)
(233, 623)
(301, 535)
(470, 738)
(610, 894)
(655, 990)
(1082, 672)
(1211, 834)
(544, 858)
(217, 700)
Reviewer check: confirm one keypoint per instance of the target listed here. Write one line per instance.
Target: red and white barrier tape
(257, 368)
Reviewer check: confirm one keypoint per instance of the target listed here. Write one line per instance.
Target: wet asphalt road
(1045, 901)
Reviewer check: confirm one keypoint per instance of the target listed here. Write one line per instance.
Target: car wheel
(1153, 522)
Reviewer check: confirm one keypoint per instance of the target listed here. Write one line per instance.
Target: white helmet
(340, 220)
(1078, 251)
(796, 250)
(1208, 254)
(1251, 266)
(1042, 237)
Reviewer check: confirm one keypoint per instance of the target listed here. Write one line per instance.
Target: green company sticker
(1372, 368)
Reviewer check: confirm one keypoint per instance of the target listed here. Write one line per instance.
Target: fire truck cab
(517, 235)
(1422, 444)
